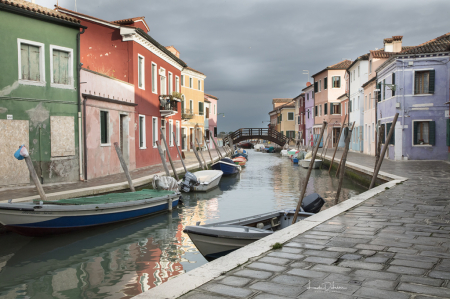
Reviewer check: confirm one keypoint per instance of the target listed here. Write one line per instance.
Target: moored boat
(218, 239)
(305, 163)
(227, 166)
(49, 217)
(239, 161)
(208, 179)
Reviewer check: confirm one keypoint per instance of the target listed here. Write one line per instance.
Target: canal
(123, 260)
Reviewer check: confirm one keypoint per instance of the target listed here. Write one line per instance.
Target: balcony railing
(168, 103)
(187, 114)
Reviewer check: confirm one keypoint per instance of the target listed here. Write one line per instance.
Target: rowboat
(208, 179)
(305, 163)
(240, 153)
(239, 161)
(218, 239)
(227, 166)
(49, 217)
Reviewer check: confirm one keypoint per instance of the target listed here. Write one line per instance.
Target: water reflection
(123, 260)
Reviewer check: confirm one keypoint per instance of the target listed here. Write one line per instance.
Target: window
(170, 132)
(424, 82)
(370, 66)
(308, 113)
(316, 86)
(424, 133)
(298, 119)
(190, 83)
(142, 140)
(290, 115)
(320, 85)
(199, 85)
(370, 100)
(154, 131)
(382, 132)
(354, 75)
(316, 110)
(335, 108)
(307, 96)
(388, 128)
(104, 127)
(31, 62)
(170, 83)
(61, 64)
(200, 108)
(163, 81)
(214, 109)
(336, 81)
(358, 71)
(393, 82)
(281, 117)
(325, 109)
(177, 84)
(182, 80)
(191, 106)
(177, 132)
(320, 110)
(379, 91)
(384, 89)
(325, 83)
(141, 71)
(154, 76)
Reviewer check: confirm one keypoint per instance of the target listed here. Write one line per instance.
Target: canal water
(126, 259)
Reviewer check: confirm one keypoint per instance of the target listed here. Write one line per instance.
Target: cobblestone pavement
(20, 192)
(394, 245)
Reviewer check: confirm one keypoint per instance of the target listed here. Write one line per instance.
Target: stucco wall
(309, 106)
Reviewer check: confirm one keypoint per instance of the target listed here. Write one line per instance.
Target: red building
(300, 118)
(122, 49)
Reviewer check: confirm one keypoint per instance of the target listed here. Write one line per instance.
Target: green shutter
(331, 108)
(24, 61)
(141, 132)
(388, 128)
(383, 133)
(416, 129)
(104, 126)
(379, 92)
(56, 68)
(316, 87)
(448, 131)
(432, 79)
(432, 125)
(393, 82)
(325, 83)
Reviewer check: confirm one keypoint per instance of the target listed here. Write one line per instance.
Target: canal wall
(204, 278)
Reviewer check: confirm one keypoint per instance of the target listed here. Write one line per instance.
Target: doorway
(191, 137)
(336, 133)
(183, 139)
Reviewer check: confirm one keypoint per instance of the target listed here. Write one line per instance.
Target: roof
(362, 57)
(300, 95)
(342, 65)
(211, 96)
(287, 105)
(394, 38)
(191, 69)
(368, 82)
(131, 21)
(311, 86)
(281, 100)
(58, 8)
(342, 96)
(382, 54)
(39, 10)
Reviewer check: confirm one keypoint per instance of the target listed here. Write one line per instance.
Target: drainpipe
(79, 104)
(85, 138)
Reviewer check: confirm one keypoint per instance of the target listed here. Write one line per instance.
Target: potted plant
(177, 95)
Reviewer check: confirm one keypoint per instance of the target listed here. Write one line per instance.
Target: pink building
(211, 118)
(109, 116)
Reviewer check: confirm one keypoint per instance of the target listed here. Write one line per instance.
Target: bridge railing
(257, 133)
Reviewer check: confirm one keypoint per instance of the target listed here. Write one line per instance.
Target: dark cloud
(255, 50)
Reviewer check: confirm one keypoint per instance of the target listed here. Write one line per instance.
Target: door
(336, 133)
(183, 139)
(121, 124)
(191, 136)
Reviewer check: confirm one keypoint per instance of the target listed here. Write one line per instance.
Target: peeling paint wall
(62, 136)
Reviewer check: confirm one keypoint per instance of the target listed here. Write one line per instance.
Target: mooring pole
(340, 162)
(163, 158)
(378, 149)
(217, 148)
(313, 158)
(35, 178)
(179, 153)
(326, 148)
(200, 150)
(168, 154)
(196, 155)
(383, 153)
(337, 143)
(124, 166)
(344, 161)
(206, 143)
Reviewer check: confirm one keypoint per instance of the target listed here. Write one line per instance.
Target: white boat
(208, 179)
(284, 153)
(218, 239)
(305, 163)
(259, 146)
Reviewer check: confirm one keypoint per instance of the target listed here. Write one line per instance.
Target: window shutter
(393, 82)
(325, 106)
(24, 61)
(56, 67)
(416, 129)
(388, 127)
(379, 92)
(316, 87)
(325, 83)
(448, 131)
(432, 125)
(35, 74)
(383, 133)
(331, 108)
(431, 84)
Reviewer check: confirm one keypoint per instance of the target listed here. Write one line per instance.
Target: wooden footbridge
(268, 134)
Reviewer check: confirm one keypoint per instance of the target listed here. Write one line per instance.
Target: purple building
(415, 84)
(309, 112)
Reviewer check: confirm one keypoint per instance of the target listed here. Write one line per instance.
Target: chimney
(308, 84)
(393, 44)
(388, 45)
(174, 51)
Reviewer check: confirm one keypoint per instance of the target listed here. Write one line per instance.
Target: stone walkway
(394, 245)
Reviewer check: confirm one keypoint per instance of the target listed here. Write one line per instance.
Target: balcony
(187, 114)
(168, 105)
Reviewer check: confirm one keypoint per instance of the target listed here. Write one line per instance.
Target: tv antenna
(306, 72)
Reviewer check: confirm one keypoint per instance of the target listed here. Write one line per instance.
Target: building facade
(300, 118)
(212, 119)
(309, 113)
(39, 104)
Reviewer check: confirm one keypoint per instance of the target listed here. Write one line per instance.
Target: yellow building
(282, 117)
(193, 108)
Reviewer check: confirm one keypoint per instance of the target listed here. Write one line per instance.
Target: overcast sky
(254, 50)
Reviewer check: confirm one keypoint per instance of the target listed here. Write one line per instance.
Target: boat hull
(305, 163)
(50, 219)
(211, 182)
(226, 168)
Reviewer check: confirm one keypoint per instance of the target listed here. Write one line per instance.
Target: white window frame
(191, 82)
(182, 80)
(177, 84)
(108, 143)
(143, 72)
(334, 80)
(412, 133)
(143, 131)
(161, 69)
(70, 68)
(170, 83)
(178, 132)
(414, 84)
(170, 132)
(154, 136)
(41, 62)
(154, 78)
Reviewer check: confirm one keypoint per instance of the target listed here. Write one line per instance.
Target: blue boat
(295, 160)
(240, 153)
(227, 166)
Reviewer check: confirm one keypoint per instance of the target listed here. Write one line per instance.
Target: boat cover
(229, 231)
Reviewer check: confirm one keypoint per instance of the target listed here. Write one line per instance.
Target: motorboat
(240, 153)
(49, 217)
(227, 166)
(218, 239)
(208, 179)
(247, 145)
(305, 163)
(259, 147)
(240, 161)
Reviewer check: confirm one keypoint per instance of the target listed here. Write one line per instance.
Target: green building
(39, 102)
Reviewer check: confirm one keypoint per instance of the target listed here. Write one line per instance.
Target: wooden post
(206, 143)
(313, 158)
(179, 153)
(378, 149)
(339, 138)
(200, 150)
(124, 166)
(326, 148)
(383, 153)
(217, 148)
(168, 155)
(198, 157)
(163, 158)
(325, 143)
(344, 159)
(340, 162)
(35, 178)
